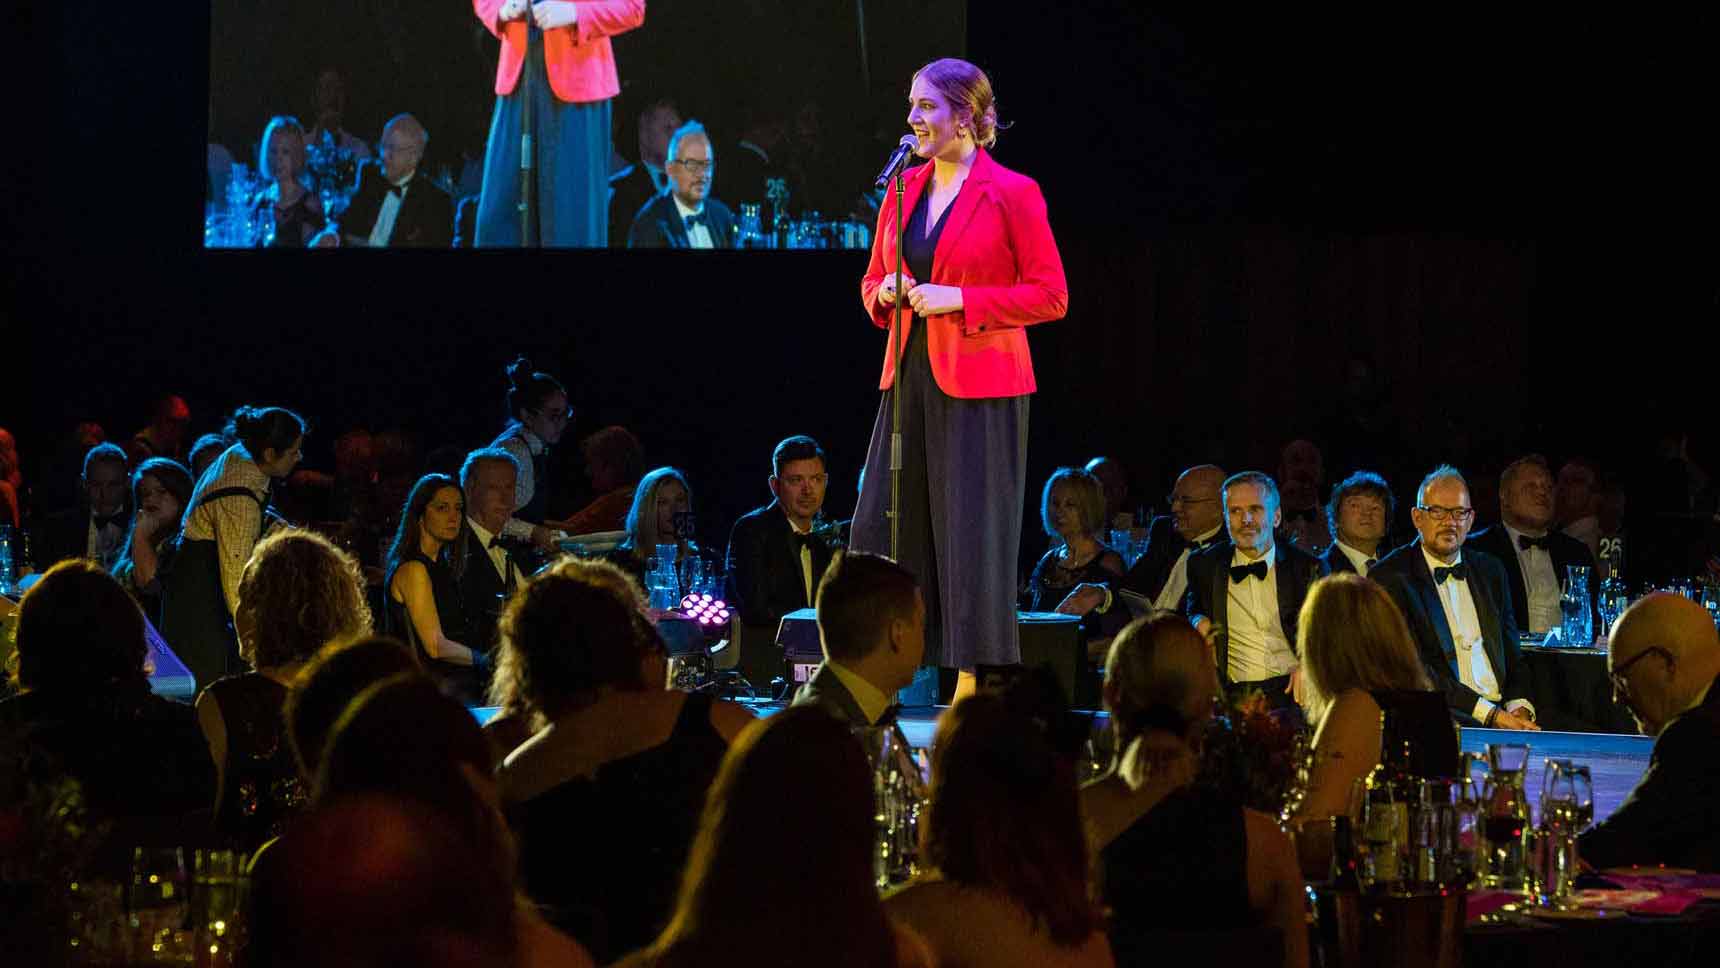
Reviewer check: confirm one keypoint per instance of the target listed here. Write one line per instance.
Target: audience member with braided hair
(619, 754)
(1173, 857)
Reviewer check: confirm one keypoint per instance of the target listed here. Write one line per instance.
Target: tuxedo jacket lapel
(1425, 586)
(1492, 630)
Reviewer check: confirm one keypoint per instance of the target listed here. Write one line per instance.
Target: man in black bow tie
(1458, 608)
(1197, 516)
(96, 528)
(486, 572)
(393, 206)
(1245, 593)
(872, 624)
(1535, 556)
(686, 216)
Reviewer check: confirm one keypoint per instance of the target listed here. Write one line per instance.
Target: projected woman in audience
(296, 210)
(423, 605)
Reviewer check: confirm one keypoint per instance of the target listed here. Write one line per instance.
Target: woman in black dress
(296, 210)
(1073, 512)
(423, 604)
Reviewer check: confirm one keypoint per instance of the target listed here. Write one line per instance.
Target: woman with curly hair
(297, 594)
(619, 754)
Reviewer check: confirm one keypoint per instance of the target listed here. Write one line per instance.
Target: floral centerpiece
(1257, 755)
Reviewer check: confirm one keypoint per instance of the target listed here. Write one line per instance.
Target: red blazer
(579, 60)
(997, 247)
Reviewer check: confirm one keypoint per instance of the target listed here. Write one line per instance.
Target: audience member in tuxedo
(160, 491)
(538, 414)
(633, 186)
(1358, 514)
(775, 561)
(871, 623)
(1536, 557)
(299, 593)
(165, 435)
(392, 207)
(661, 514)
(204, 451)
(11, 481)
(1072, 511)
(1664, 658)
(1002, 839)
(1175, 856)
(1576, 503)
(1197, 516)
(1244, 594)
(326, 685)
(687, 216)
(226, 519)
(1361, 665)
(297, 211)
(614, 463)
(330, 101)
(1302, 475)
(423, 603)
(619, 754)
(798, 778)
(86, 713)
(1115, 483)
(1458, 606)
(96, 528)
(484, 567)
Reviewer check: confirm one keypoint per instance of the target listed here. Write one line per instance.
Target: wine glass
(1582, 788)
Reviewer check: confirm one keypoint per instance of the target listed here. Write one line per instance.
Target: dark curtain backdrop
(1516, 244)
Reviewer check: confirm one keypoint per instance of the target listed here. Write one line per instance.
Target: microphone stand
(898, 346)
(527, 216)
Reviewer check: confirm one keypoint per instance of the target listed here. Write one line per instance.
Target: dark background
(1508, 220)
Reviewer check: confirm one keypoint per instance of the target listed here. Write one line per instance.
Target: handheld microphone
(898, 158)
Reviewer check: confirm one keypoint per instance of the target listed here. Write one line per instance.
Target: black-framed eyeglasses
(1180, 500)
(1446, 514)
(1620, 674)
(694, 165)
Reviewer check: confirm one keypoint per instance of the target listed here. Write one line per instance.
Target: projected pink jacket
(997, 247)
(579, 59)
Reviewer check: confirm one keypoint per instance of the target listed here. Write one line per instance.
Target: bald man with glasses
(1664, 659)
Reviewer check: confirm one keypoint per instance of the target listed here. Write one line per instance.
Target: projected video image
(673, 124)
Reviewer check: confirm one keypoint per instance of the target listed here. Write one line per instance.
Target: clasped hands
(927, 299)
(548, 14)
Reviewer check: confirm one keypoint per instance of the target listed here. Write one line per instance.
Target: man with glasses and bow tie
(1535, 555)
(1161, 573)
(686, 216)
(393, 207)
(96, 528)
(1458, 608)
(1244, 594)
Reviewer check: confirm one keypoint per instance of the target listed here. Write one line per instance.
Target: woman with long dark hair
(979, 265)
(799, 778)
(161, 493)
(224, 522)
(423, 601)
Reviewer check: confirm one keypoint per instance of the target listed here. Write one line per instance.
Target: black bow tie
(888, 716)
(695, 220)
(1544, 542)
(394, 189)
(1371, 562)
(803, 540)
(1241, 573)
(117, 519)
(1459, 571)
(495, 541)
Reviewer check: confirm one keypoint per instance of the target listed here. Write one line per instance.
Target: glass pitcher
(1578, 631)
(1505, 818)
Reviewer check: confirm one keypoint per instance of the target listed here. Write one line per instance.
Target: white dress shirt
(1474, 669)
(1176, 583)
(1259, 649)
(805, 560)
(498, 555)
(698, 236)
(1540, 583)
(1359, 560)
(383, 230)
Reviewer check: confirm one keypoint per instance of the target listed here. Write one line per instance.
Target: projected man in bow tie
(686, 216)
(1458, 609)
(1244, 593)
(1534, 555)
(395, 207)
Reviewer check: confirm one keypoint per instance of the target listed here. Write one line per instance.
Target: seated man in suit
(1535, 555)
(774, 560)
(872, 623)
(490, 574)
(1458, 608)
(685, 216)
(1664, 657)
(393, 207)
(1161, 573)
(1245, 593)
(1358, 512)
(96, 528)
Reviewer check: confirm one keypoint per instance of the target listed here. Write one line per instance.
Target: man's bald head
(1194, 500)
(1662, 653)
(403, 142)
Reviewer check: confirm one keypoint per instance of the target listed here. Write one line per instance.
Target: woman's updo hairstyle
(260, 428)
(527, 388)
(968, 90)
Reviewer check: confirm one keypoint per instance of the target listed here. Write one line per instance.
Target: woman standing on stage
(556, 55)
(979, 264)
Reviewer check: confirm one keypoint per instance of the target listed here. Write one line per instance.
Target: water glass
(157, 906)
